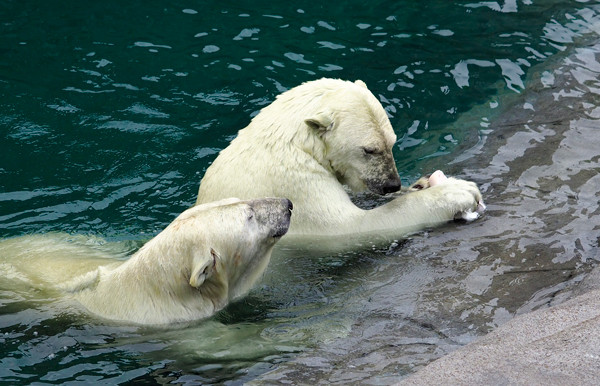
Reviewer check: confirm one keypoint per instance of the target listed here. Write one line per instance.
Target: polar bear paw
(471, 215)
(438, 177)
(464, 194)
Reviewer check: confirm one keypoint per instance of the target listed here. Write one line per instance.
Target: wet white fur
(208, 256)
(307, 144)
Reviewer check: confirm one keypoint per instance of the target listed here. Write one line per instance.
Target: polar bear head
(358, 138)
(235, 245)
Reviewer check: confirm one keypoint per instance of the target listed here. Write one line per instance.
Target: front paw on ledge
(471, 215)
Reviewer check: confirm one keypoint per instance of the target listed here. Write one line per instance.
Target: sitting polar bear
(312, 140)
(208, 256)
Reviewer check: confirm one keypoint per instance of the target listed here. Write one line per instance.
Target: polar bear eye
(370, 151)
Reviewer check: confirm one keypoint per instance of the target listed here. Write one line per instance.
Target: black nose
(391, 186)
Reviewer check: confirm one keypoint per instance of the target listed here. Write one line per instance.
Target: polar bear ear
(203, 268)
(361, 83)
(321, 121)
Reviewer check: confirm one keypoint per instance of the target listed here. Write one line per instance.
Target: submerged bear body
(208, 256)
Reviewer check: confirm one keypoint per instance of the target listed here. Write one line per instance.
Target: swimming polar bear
(309, 143)
(208, 256)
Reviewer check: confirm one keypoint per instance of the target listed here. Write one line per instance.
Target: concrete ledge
(559, 345)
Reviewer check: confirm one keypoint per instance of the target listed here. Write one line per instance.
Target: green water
(111, 112)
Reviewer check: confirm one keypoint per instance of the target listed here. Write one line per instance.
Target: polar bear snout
(389, 185)
(274, 213)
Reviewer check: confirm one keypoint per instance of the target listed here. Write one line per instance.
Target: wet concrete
(556, 345)
(538, 164)
(559, 169)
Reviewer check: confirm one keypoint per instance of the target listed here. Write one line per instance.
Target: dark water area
(112, 112)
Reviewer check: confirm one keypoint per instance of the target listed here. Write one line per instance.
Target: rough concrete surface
(552, 346)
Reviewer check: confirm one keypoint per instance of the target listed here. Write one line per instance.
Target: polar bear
(309, 143)
(209, 255)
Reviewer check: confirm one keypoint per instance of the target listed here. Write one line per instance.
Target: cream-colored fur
(208, 256)
(312, 140)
